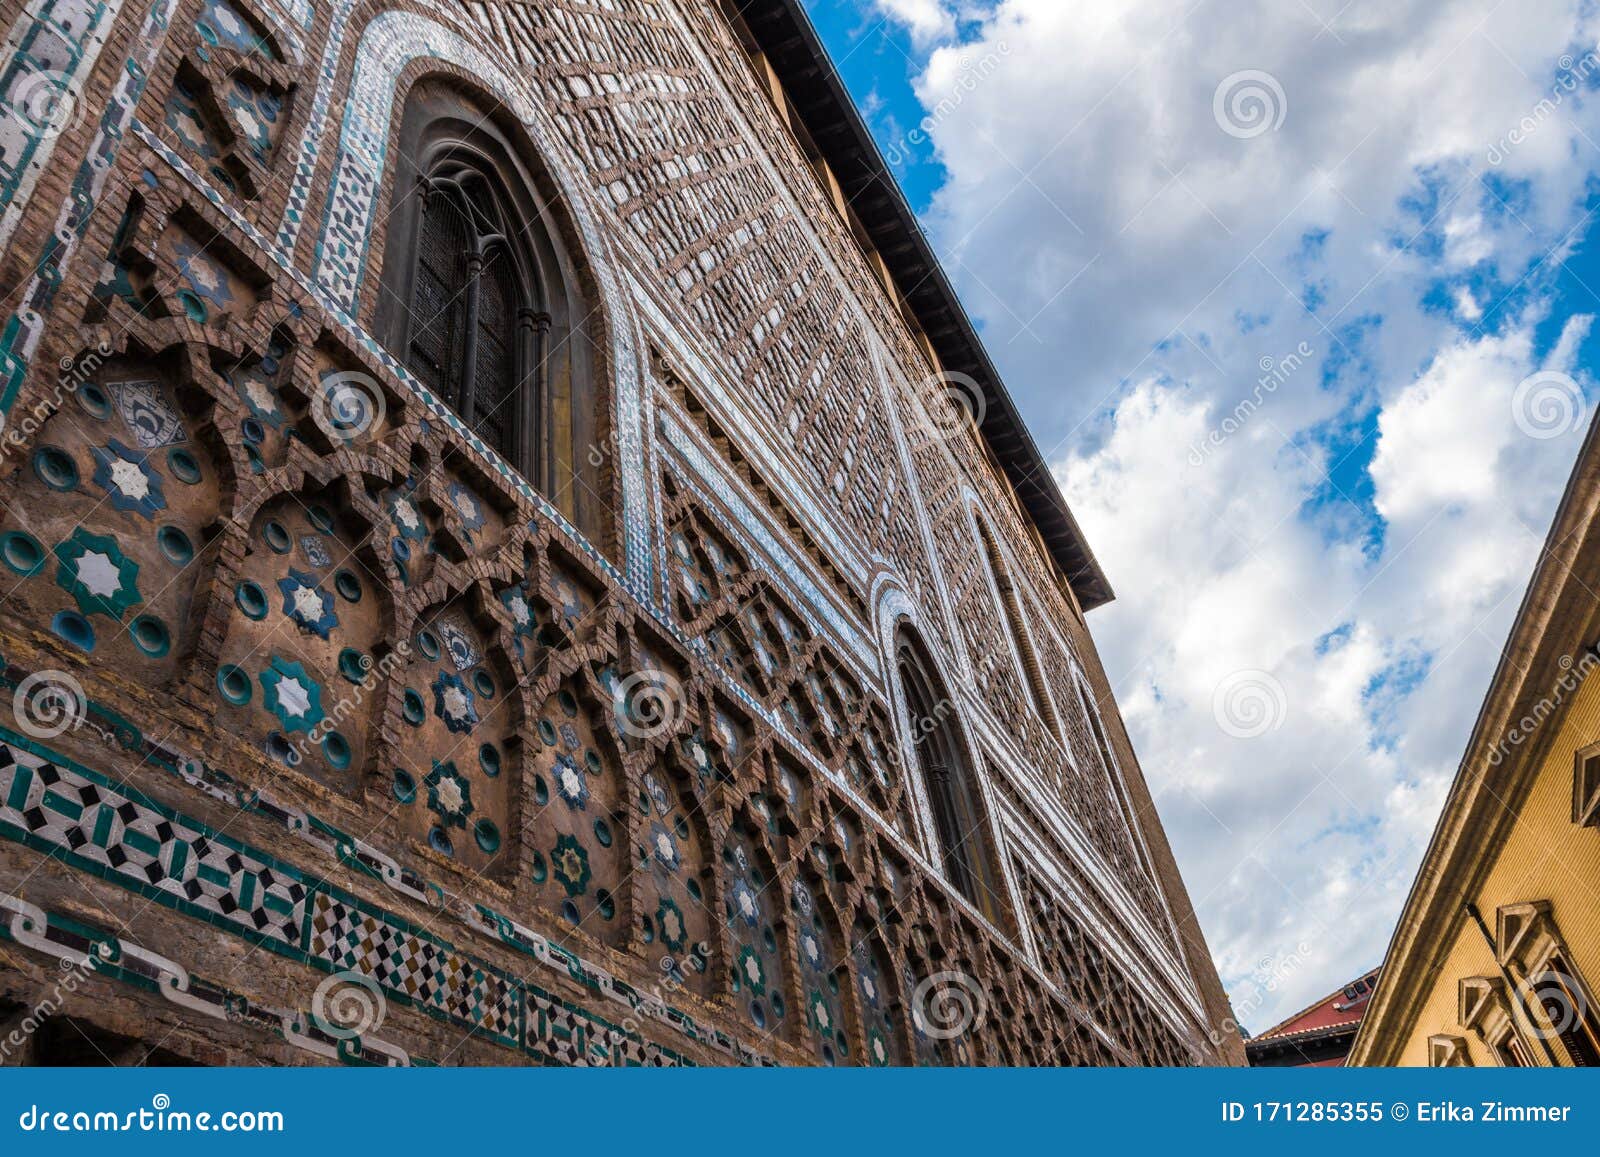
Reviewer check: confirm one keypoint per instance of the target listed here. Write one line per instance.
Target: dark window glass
(958, 815)
(465, 303)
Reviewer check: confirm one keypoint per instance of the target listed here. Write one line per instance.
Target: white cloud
(1467, 305)
(926, 20)
(1361, 530)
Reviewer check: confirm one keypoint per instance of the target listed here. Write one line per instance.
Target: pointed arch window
(1021, 641)
(488, 304)
(473, 328)
(959, 818)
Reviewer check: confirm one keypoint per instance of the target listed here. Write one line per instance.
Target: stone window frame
(1529, 942)
(1586, 786)
(1448, 1052)
(1485, 1010)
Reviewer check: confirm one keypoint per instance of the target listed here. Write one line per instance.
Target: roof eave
(802, 63)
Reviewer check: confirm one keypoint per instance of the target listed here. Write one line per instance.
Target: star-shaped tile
(449, 794)
(754, 975)
(516, 605)
(664, 847)
(291, 694)
(95, 572)
(126, 477)
(261, 398)
(879, 1048)
(810, 949)
(407, 521)
(745, 902)
(307, 603)
(466, 504)
(453, 703)
(571, 784)
(669, 920)
(570, 863)
(821, 1014)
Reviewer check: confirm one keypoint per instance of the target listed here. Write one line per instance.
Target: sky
(1298, 300)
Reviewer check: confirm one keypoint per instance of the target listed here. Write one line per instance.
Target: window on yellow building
(1485, 1010)
(1586, 788)
(1556, 1001)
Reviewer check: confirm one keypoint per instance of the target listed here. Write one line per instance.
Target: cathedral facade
(512, 552)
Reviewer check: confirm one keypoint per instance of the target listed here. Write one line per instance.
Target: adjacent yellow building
(1496, 958)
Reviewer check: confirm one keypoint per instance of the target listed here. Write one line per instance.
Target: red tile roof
(1335, 1010)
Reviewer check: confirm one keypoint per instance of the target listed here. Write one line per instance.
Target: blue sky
(875, 55)
(1297, 300)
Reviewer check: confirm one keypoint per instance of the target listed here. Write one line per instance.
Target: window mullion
(469, 344)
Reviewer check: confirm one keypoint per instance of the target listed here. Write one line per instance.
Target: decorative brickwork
(348, 699)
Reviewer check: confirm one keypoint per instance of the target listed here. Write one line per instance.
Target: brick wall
(636, 793)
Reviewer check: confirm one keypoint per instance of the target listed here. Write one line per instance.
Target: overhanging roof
(785, 34)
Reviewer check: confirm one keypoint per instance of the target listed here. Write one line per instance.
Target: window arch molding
(1001, 570)
(961, 836)
(487, 303)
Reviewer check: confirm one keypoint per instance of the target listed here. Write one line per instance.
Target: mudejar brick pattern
(602, 638)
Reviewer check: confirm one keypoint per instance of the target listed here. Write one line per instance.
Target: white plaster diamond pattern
(136, 843)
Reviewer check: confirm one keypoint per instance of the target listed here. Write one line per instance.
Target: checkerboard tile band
(425, 973)
(124, 838)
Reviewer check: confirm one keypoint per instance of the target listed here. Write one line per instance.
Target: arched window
(959, 819)
(486, 304)
(472, 324)
(1021, 641)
